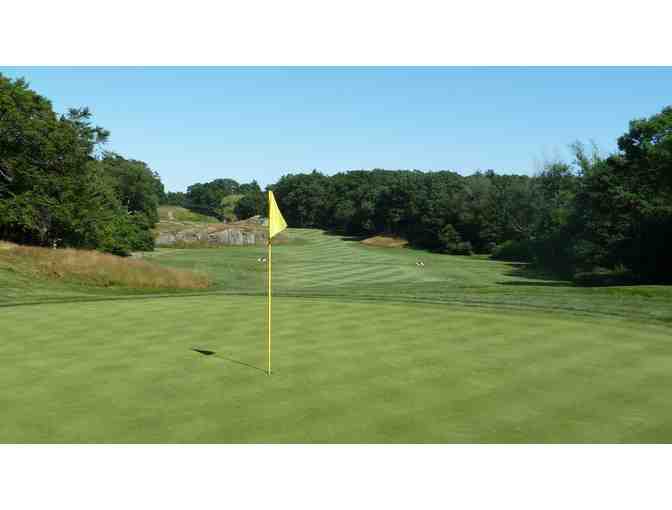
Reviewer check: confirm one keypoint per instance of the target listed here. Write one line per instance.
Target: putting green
(125, 371)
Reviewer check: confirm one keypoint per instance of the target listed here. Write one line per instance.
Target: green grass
(367, 348)
(229, 204)
(93, 268)
(315, 264)
(178, 214)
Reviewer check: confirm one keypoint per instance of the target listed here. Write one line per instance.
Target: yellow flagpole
(276, 224)
(269, 304)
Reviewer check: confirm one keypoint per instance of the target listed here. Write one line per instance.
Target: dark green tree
(206, 198)
(52, 187)
(624, 206)
(44, 159)
(303, 198)
(138, 188)
(177, 198)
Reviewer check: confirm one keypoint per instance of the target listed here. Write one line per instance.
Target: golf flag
(276, 223)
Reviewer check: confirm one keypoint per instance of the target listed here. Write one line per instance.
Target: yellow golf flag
(276, 223)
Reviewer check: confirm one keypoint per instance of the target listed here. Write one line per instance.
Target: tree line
(595, 217)
(224, 199)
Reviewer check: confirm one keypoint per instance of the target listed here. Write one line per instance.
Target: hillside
(173, 213)
(186, 234)
(24, 269)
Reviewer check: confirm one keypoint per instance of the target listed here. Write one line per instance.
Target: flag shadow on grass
(206, 352)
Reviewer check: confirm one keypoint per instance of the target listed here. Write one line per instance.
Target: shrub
(125, 234)
(451, 242)
(514, 251)
(463, 248)
(605, 277)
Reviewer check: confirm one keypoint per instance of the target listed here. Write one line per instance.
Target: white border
(347, 32)
(335, 477)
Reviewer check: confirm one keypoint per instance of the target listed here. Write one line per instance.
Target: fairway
(367, 348)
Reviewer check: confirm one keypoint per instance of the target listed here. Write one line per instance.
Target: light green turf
(175, 213)
(368, 348)
(317, 264)
(383, 372)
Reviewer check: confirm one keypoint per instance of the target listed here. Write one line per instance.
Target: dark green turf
(462, 350)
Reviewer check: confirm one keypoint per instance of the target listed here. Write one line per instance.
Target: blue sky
(198, 124)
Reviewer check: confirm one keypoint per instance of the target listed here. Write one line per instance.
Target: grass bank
(96, 269)
(176, 213)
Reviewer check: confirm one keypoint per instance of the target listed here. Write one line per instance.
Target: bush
(125, 234)
(463, 248)
(605, 277)
(514, 251)
(249, 205)
(451, 242)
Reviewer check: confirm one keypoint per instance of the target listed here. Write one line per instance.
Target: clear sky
(198, 124)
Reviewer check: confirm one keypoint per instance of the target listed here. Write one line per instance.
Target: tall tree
(138, 188)
(52, 188)
(625, 203)
(43, 157)
(206, 198)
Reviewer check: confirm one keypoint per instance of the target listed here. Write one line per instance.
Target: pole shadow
(207, 352)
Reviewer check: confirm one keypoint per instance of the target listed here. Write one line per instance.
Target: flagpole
(276, 224)
(269, 304)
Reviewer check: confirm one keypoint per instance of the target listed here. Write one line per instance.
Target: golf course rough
(368, 347)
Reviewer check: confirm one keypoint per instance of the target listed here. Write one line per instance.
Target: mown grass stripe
(366, 350)
(345, 372)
